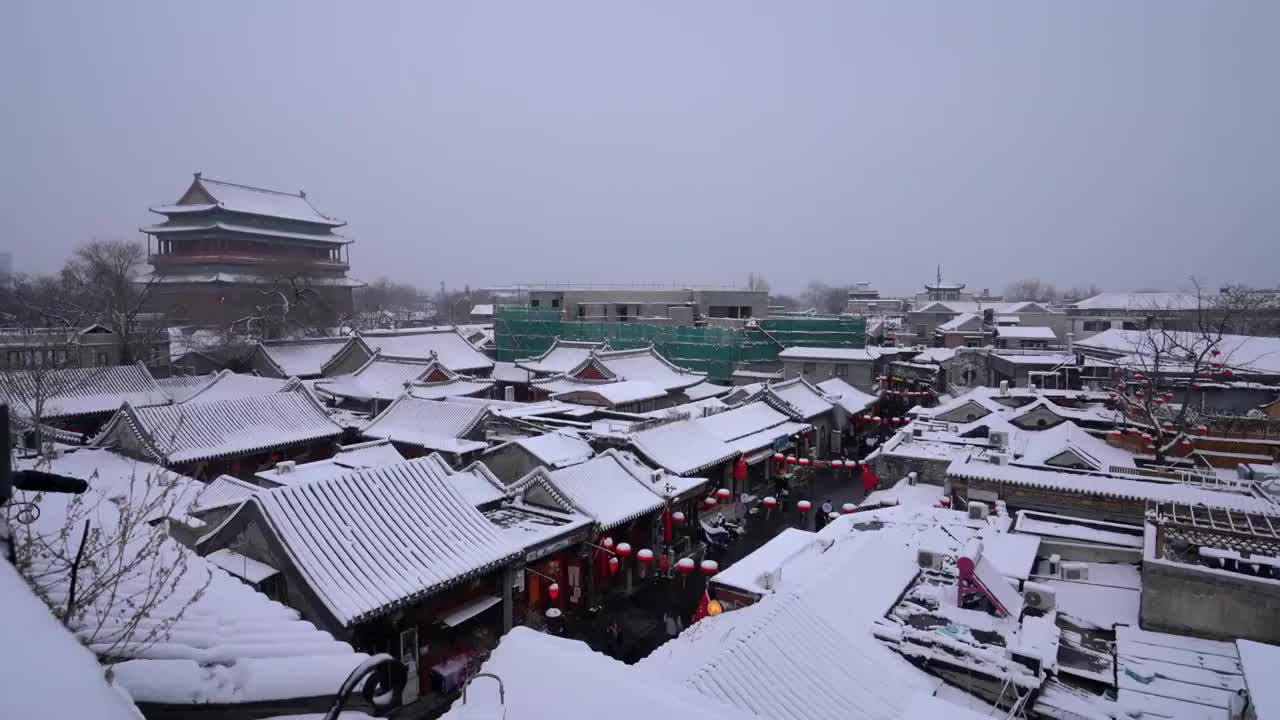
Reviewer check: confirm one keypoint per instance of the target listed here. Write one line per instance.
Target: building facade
(224, 247)
(680, 306)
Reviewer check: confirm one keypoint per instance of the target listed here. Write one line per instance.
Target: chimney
(1004, 388)
(1071, 342)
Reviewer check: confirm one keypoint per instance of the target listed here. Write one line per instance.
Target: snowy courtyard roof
(556, 449)
(476, 483)
(847, 396)
(800, 398)
(1026, 332)
(444, 343)
(1243, 353)
(646, 365)
(561, 357)
(342, 549)
(373, 453)
(200, 431)
(682, 447)
(304, 358)
(533, 667)
(1103, 486)
(831, 354)
(226, 385)
(181, 387)
(750, 427)
(222, 642)
(608, 393)
(429, 424)
(606, 488)
(80, 391)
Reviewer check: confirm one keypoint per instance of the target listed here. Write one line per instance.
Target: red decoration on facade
(624, 550)
(770, 502)
(804, 506)
(740, 469)
(686, 566)
(553, 591)
(613, 565)
(709, 503)
(645, 556)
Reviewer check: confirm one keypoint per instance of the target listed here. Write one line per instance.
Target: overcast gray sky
(1125, 143)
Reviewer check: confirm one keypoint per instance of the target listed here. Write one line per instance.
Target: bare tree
(105, 282)
(825, 298)
(103, 562)
(1031, 289)
(1170, 354)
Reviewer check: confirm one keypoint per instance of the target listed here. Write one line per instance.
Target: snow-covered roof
(170, 228)
(1142, 301)
(482, 310)
(533, 666)
(226, 385)
(200, 431)
(249, 278)
(620, 392)
(750, 427)
(1027, 332)
(647, 365)
(1041, 359)
(934, 356)
(606, 488)
(1038, 448)
(805, 400)
(961, 322)
(382, 377)
(38, 642)
(682, 447)
(561, 357)
(978, 468)
(181, 387)
(440, 540)
(430, 424)
(812, 636)
(556, 449)
(849, 397)
(444, 343)
(373, 453)
(1260, 663)
(302, 358)
(221, 641)
(755, 573)
(80, 391)
(476, 483)
(1243, 353)
(224, 491)
(252, 201)
(705, 390)
(509, 373)
(838, 354)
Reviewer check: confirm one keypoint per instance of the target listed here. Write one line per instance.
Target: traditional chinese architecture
(222, 245)
(238, 436)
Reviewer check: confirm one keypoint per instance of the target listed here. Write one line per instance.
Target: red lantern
(1139, 377)
(710, 567)
(740, 469)
(607, 543)
(677, 518)
(645, 556)
(1202, 429)
(1168, 396)
(791, 459)
(553, 591)
(779, 457)
(685, 566)
(1133, 431)
(1167, 425)
(1117, 434)
(1111, 395)
(1227, 373)
(1137, 393)
(805, 462)
(723, 494)
(837, 464)
(804, 506)
(624, 550)
(848, 508)
(613, 565)
(709, 503)
(876, 420)
(770, 502)
(1159, 401)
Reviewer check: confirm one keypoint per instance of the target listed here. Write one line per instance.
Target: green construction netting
(521, 331)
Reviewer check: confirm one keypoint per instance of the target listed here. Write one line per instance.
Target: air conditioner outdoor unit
(286, 466)
(1074, 571)
(978, 511)
(917, 432)
(1038, 597)
(998, 458)
(929, 560)
(998, 438)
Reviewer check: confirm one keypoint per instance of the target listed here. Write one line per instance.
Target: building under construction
(522, 331)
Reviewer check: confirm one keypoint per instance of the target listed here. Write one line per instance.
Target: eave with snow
(445, 343)
(419, 427)
(309, 357)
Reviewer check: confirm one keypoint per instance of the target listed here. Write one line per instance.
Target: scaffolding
(521, 332)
